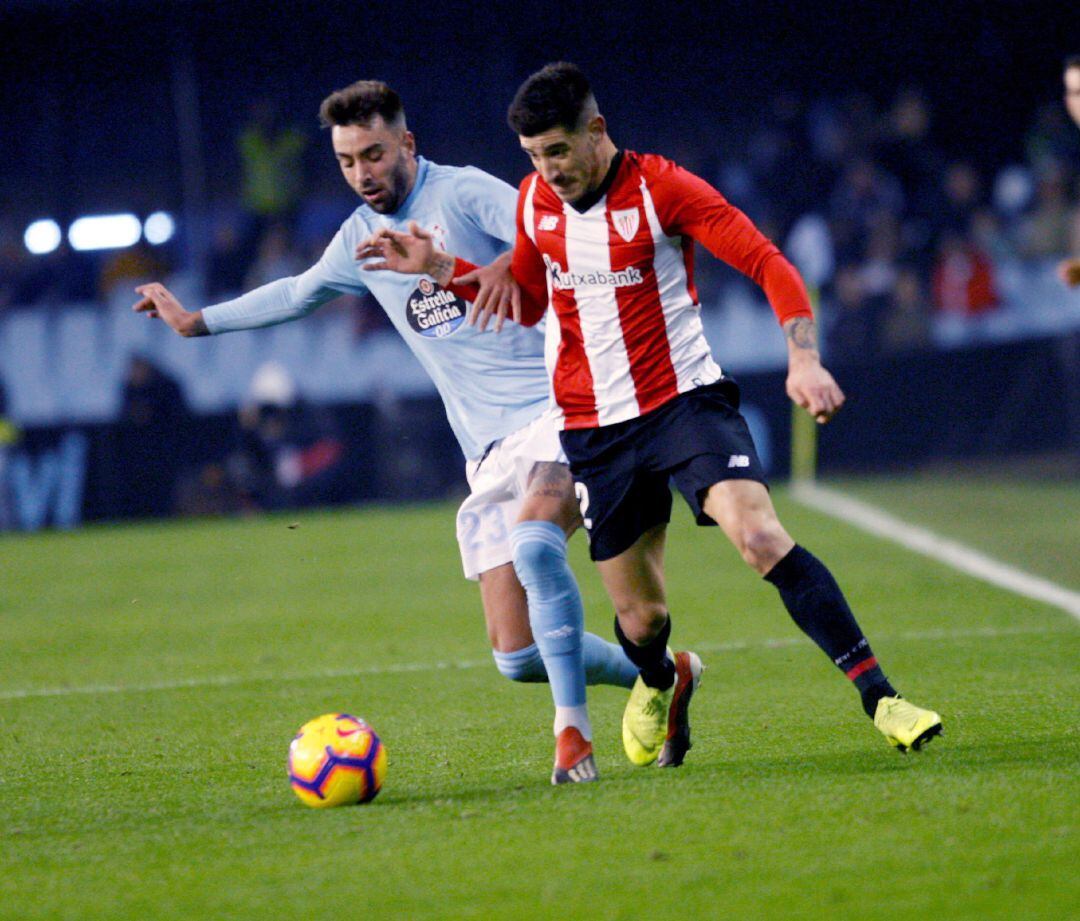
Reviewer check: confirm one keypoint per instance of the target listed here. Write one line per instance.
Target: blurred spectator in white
(289, 454)
(963, 280)
(809, 246)
(905, 323)
(1014, 190)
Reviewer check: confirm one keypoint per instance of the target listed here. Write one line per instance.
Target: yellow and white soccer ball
(336, 760)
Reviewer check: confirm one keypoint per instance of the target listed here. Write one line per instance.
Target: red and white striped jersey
(619, 277)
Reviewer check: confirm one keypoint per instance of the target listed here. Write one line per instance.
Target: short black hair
(1073, 60)
(359, 103)
(555, 96)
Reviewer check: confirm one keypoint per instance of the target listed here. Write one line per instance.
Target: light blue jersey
(491, 384)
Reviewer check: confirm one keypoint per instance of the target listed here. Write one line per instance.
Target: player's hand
(1069, 272)
(159, 301)
(411, 253)
(812, 387)
(499, 294)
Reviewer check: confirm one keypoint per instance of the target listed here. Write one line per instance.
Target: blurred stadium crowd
(908, 243)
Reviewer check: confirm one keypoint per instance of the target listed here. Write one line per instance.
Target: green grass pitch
(152, 676)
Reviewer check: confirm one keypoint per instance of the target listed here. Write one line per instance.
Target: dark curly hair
(556, 96)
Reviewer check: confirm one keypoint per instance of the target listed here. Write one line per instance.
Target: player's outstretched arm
(159, 301)
(809, 384)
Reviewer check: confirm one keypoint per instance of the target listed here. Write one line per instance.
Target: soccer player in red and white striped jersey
(605, 239)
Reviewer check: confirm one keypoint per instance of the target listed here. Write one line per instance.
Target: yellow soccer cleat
(905, 725)
(645, 722)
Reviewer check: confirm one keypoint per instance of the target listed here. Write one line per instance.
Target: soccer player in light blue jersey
(512, 528)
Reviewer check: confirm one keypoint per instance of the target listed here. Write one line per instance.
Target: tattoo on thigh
(550, 478)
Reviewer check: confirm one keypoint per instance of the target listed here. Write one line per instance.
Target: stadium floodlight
(159, 228)
(104, 231)
(42, 236)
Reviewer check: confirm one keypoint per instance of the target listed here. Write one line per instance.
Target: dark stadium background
(137, 106)
(88, 98)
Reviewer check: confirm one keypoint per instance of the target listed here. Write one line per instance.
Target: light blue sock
(521, 664)
(606, 663)
(555, 611)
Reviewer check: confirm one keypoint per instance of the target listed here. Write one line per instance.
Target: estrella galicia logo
(433, 311)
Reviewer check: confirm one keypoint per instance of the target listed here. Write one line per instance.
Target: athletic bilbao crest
(626, 222)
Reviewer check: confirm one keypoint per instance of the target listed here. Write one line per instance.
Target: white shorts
(497, 485)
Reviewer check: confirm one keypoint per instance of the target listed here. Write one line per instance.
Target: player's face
(568, 161)
(1072, 93)
(378, 161)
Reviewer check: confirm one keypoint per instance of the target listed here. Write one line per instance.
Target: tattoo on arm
(802, 333)
(198, 326)
(442, 268)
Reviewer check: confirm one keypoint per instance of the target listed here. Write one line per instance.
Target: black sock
(657, 670)
(817, 605)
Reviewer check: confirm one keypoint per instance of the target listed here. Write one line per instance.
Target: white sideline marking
(219, 681)
(880, 523)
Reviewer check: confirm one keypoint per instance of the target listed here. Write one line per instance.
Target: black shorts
(623, 471)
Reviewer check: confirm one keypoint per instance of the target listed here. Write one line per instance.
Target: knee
(524, 665)
(763, 546)
(640, 619)
(536, 546)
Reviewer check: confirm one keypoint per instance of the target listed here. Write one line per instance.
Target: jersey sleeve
(527, 267)
(487, 203)
(287, 298)
(688, 206)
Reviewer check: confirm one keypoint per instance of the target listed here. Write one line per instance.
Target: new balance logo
(738, 460)
(549, 222)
